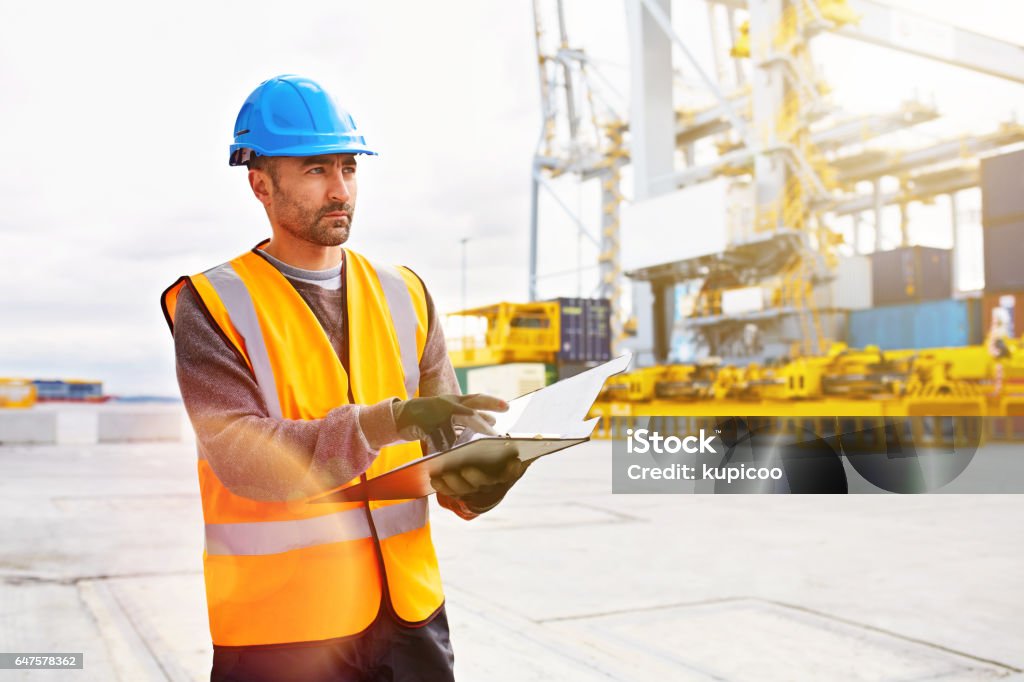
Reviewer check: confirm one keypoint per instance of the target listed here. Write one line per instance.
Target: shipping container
(1004, 257)
(932, 324)
(462, 375)
(585, 330)
(72, 390)
(851, 287)
(507, 381)
(833, 325)
(565, 370)
(1002, 189)
(1013, 302)
(911, 274)
(599, 329)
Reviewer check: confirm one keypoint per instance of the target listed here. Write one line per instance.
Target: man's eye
(317, 170)
(349, 169)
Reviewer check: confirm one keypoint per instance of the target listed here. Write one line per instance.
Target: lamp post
(463, 241)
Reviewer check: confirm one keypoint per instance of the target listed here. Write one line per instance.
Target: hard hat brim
(238, 157)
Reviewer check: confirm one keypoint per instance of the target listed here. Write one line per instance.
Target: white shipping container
(851, 288)
(506, 381)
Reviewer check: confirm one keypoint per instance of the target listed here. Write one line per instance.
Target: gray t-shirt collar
(328, 279)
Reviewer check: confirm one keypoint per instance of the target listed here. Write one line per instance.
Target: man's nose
(339, 188)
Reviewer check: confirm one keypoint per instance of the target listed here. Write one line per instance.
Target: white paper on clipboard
(558, 410)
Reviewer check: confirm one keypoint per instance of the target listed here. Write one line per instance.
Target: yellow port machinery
(943, 382)
(503, 333)
(17, 393)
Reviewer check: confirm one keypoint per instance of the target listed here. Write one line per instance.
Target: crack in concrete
(794, 607)
(74, 580)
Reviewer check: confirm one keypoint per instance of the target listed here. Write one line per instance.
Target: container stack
(1002, 215)
(585, 337)
(911, 274)
(912, 290)
(836, 299)
(945, 323)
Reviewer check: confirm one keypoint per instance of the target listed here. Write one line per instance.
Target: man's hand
(434, 419)
(472, 481)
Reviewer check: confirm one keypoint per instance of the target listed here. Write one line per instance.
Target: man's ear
(260, 183)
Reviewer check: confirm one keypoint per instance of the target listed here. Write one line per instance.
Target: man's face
(314, 198)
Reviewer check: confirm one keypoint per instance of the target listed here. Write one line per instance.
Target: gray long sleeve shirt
(271, 459)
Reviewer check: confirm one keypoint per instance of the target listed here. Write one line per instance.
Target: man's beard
(329, 231)
(313, 226)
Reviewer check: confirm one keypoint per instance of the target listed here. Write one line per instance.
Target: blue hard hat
(293, 116)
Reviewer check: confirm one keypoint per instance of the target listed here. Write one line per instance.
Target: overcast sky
(117, 117)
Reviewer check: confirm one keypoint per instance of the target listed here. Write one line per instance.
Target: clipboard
(412, 480)
(556, 412)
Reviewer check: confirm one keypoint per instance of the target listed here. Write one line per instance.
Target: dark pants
(385, 652)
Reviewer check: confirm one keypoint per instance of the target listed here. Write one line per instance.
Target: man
(996, 343)
(306, 367)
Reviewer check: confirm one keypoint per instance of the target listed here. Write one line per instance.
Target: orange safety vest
(280, 572)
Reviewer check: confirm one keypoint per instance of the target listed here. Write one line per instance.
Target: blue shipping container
(57, 389)
(585, 330)
(932, 324)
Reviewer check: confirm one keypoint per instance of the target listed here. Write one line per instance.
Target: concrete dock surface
(101, 554)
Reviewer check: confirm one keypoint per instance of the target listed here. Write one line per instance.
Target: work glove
(434, 419)
(481, 487)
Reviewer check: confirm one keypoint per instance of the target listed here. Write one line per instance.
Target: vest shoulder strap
(404, 315)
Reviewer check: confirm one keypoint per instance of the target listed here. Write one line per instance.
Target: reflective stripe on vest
(231, 289)
(273, 537)
(404, 318)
